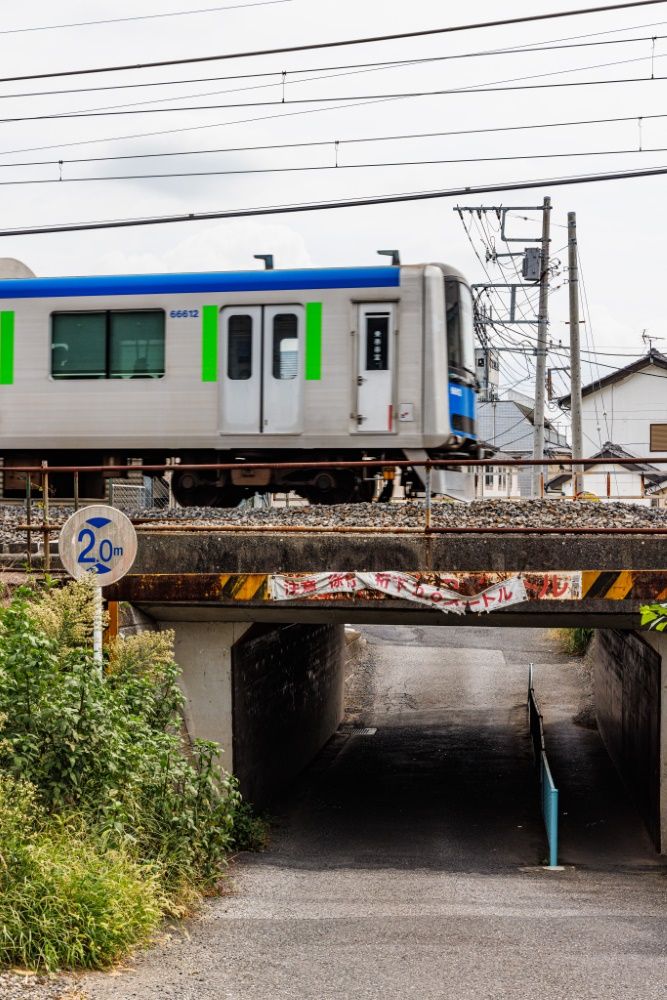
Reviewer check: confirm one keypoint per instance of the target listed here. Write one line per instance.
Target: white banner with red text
(401, 585)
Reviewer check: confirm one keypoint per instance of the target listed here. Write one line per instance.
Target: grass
(65, 901)
(574, 641)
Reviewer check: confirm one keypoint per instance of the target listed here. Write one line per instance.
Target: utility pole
(541, 359)
(575, 352)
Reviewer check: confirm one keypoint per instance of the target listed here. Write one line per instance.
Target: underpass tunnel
(435, 765)
(410, 744)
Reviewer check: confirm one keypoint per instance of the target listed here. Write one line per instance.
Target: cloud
(220, 247)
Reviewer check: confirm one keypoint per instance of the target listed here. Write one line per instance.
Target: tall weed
(63, 901)
(123, 802)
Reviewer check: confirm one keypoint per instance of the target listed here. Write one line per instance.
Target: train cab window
(239, 347)
(136, 344)
(78, 345)
(377, 342)
(103, 345)
(460, 341)
(285, 346)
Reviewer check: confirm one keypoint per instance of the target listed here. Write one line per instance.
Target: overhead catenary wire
(315, 168)
(312, 144)
(359, 202)
(138, 17)
(526, 48)
(395, 96)
(339, 43)
(336, 75)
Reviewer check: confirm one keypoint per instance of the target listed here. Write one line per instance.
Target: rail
(548, 790)
(37, 485)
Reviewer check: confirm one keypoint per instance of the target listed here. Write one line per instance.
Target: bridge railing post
(428, 496)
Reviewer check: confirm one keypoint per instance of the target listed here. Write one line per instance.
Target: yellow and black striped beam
(253, 588)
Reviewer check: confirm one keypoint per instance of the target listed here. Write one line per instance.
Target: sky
(620, 223)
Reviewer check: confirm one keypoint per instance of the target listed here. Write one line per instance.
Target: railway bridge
(258, 618)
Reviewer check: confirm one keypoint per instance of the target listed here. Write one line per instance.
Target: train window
(107, 344)
(377, 342)
(239, 347)
(78, 345)
(460, 343)
(285, 346)
(136, 344)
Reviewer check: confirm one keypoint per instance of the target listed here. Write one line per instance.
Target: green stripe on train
(6, 348)
(313, 365)
(209, 344)
(313, 341)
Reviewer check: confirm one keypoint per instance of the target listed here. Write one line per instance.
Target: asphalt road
(407, 863)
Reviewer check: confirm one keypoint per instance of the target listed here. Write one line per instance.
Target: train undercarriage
(201, 487)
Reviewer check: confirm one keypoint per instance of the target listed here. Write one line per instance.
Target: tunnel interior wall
(627, 683)
(287, 692)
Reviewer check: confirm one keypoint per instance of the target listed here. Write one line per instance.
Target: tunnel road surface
(406, 862)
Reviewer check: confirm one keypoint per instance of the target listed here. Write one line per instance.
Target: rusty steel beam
(399, 463)
(252, 589)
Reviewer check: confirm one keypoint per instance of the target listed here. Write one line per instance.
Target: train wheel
(191, 491)
(345, 488)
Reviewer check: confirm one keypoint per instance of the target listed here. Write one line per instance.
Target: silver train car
(287, 365)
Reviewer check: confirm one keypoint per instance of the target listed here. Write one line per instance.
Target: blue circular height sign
(99, 543)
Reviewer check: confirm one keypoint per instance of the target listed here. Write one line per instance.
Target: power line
(335, 74)
(363, 202)
(400, 96)
(138, 17)
(192, 128)
(279, 74)
(318, 168)
(366, 40)
(333, 142)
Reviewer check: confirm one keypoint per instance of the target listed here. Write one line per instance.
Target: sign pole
(97, 543)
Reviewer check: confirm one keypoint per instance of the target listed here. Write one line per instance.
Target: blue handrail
(548, 790)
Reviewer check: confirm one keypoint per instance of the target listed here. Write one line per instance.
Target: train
(240, 367)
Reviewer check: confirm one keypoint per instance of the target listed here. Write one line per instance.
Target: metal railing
(548, 790)
(38, 490)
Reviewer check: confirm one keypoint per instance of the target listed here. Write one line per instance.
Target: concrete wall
(288, 701)
(204, 653)
(658, 642)
(270, 695)
(628, 695)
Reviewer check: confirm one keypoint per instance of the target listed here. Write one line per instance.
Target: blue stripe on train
(208, 283)
(462, 404)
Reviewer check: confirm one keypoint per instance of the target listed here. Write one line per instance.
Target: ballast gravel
(540, 515)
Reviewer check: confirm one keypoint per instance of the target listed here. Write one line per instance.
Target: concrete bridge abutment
(630, 685)
(270, 695)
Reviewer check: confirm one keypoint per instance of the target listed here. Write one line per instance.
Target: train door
(282, 409)
(375, 371)
(241, 370)
(261, 378)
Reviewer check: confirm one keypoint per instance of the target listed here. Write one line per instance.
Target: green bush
(249, 832)
(574, 641)
(125, 801)
(63, 901)
(110, 748)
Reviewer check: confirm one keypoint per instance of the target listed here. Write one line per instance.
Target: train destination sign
(99, 543)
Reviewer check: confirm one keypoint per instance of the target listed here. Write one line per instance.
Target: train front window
(460, 342)
(78, 345)
(111, 344)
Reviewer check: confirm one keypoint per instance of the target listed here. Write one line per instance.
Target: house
(628, 407)
(495, 482)
(506, 425)
(641, 483)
